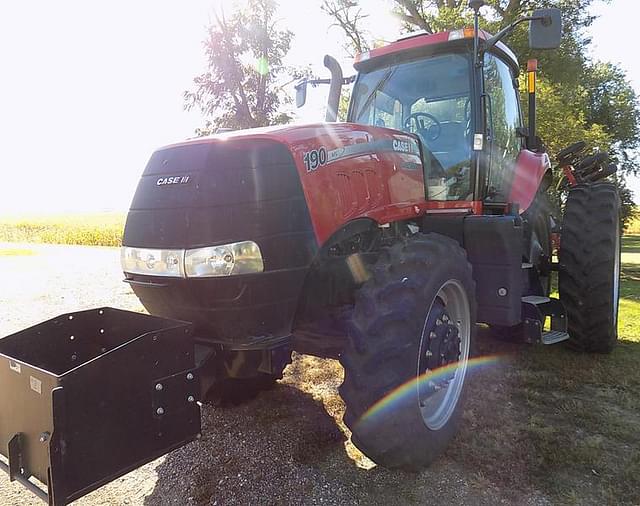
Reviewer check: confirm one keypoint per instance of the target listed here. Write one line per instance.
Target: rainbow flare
(395, 396)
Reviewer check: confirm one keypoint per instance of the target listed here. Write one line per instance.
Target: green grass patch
(94, 229)
(634, 226)
(581, 412)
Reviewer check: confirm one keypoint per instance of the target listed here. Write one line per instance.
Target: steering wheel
(430, 133)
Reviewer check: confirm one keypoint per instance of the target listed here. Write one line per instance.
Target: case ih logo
(406, 145)
(162, 181)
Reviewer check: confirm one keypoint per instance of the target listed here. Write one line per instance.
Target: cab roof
(415, 42)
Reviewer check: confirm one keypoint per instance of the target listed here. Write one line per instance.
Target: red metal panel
(381, 184)
(423, 40)
(403, 45)
(528, 174)
(364, 179)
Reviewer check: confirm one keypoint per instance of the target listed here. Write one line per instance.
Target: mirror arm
(315, 82)
(489, 43)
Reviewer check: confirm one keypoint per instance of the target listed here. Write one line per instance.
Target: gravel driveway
(288, 446)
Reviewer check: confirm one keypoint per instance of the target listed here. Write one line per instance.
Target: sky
(88, 89)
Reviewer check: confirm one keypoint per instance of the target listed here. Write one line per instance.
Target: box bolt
(189, 376)
(159, 387)
(191, 398)
(502, 292)
(160, 411)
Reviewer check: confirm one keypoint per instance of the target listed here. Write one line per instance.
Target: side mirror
(301, 93)
(545, 30)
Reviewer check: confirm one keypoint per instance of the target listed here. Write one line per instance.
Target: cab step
(535, 311)
(554, 336)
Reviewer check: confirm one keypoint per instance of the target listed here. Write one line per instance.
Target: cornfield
(94, 229)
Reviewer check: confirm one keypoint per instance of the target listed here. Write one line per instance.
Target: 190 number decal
(315, 158)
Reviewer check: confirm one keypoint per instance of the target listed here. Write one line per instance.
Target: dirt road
(286, 447)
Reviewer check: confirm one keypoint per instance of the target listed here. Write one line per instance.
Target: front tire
(410, 341)
(589, 278)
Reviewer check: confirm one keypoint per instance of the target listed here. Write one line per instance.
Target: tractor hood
(284, 191)
(218, 190)
(259, 184)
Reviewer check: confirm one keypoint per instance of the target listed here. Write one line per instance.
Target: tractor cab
(426, 85)
(431, 98)
(457, 92)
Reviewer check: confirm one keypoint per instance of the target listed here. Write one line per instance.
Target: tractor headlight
(153, 262)
(226, 260)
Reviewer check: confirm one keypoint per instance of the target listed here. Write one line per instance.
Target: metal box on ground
(89, 396)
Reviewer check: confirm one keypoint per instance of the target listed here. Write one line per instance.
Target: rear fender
(531, 169)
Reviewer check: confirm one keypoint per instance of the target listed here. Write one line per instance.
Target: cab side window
(503, 118)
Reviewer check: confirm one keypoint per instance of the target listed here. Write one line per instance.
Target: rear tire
(589, 278)
(416, 314)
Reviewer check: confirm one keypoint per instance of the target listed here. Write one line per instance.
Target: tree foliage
(612, 103)
(578, 99)
(241, 87)
(348, 16)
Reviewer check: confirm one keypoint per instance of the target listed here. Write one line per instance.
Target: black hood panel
(217, 192)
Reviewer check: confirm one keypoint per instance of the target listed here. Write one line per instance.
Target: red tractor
(381, 242)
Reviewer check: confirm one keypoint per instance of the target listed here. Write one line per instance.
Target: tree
(242, 86)
(612, 102)
(348, 16)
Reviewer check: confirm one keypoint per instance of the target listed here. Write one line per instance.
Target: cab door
(503, 119)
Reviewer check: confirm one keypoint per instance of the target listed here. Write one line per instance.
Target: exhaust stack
(335, 89)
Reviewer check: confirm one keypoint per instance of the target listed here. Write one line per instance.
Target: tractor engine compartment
(197, 196)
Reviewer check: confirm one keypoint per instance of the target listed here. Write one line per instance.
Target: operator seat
(451, 147)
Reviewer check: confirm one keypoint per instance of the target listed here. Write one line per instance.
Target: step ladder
(535, 311)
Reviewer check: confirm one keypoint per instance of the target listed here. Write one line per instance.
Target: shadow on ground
(541, 425)
(285, 448)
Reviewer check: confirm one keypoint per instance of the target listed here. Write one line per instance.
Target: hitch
(89, 396)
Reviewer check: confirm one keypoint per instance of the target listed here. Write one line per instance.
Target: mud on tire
(589, 257)
(399, 313)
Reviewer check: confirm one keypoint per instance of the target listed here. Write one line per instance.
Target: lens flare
(262, 66)
(390, 401)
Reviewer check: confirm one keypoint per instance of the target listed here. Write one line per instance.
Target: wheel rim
(616, 282)
(439, 391)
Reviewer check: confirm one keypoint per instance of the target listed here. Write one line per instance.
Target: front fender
(528, 175)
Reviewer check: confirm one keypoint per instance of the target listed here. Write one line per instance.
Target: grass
(566, 423)
(634, 226)
(94, 229)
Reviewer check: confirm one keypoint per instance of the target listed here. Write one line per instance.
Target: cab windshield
(431, 98)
